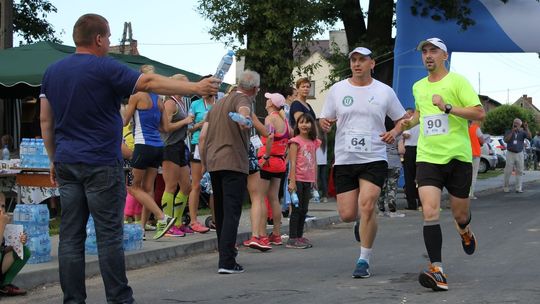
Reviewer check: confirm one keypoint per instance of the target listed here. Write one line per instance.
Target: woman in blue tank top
(146, 110)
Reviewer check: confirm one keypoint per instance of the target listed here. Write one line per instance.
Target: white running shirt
(360, 113)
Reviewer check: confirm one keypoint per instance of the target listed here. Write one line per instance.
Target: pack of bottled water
(133, 234)
(33, 153)
(132, 240)
(206, 183)
(35, 220)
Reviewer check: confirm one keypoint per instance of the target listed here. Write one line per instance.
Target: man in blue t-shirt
(515, 139)
(82, 130)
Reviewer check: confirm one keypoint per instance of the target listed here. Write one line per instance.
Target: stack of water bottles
(35, 220)
(133, 237)
(33, 153)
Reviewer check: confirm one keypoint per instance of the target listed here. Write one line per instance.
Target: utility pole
(6, 24)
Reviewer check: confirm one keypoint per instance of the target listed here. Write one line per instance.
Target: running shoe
(275, 239)
(433, 278)
(186, 229)
(198, 227)
(396, 214)
(175, 232)
(212, 226)
(295, 243)
(356, 230)
(305, 241)
(361, 271)
(248, 242)
(258, 243)
(468, 241)
(148, 227)
(11, 290)
(163, 226)
(392, 207)
(310, 218)
(237, 268)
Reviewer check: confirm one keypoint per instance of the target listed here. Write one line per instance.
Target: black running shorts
(456, 176)
(346, 177)
(176, 153)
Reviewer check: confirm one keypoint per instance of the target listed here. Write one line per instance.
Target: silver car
(488, 159)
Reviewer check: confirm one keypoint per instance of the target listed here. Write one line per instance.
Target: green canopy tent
(22, 68)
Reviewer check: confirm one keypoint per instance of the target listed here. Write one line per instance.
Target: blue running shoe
(361, 270)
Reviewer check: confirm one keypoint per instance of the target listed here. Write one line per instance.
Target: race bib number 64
(357, 141)
(436, 124)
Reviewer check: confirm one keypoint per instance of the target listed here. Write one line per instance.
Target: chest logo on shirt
(347, 101)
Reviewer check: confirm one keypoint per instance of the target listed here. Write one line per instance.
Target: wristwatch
(447, 108)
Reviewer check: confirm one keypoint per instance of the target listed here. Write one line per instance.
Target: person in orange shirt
(477, 140)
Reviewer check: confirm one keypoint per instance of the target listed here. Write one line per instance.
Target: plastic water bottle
(43, 157)
(90, 245)
(241, 119)
(32, 150)
(191, 113)
(315, 198)
(206, 183)
(224, 65)
(5, 153)
(138, 236)
(294, 199)
(127, 243)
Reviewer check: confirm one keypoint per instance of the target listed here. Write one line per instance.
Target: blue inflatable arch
(510, 27)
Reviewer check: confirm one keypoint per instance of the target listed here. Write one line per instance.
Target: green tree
(30, 20)
(500, 119)
(272, 30)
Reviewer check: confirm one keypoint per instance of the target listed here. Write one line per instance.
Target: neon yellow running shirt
(443, 137)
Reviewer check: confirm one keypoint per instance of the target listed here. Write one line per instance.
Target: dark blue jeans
(229, 189)
(298, 214)
(101, 192)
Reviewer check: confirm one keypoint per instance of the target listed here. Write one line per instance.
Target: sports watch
(447, 108)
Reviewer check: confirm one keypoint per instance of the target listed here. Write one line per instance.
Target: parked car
(488, 159)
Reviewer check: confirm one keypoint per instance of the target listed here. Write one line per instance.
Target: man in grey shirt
(514, 139)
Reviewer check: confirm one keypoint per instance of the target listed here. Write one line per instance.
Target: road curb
(48, 274)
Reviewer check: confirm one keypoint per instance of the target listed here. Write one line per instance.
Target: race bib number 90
(357, 141)
(436, 124)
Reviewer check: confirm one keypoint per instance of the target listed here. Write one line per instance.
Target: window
(312, 90)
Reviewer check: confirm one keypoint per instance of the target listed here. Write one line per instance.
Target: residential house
(318, 53)
(526, 103)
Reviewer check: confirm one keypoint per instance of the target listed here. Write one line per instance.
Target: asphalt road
(503, 270)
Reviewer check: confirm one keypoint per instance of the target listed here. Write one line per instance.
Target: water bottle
(241, 119)
(32, 149)
(138, 232)
(315, 198)
(127, 243)
(192, 123)
(5, 153)
(22, 151)
(43, 157)
(44, 250)
(294, 199)
(224, 65)
(90, 245)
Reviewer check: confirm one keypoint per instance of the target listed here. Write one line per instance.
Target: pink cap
(277, 99)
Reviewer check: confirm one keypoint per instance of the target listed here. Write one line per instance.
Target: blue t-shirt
(297, 106)
(85, 92)
(517, 140)
(199, 108)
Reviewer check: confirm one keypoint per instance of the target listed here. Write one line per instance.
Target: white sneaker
(396, 214)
